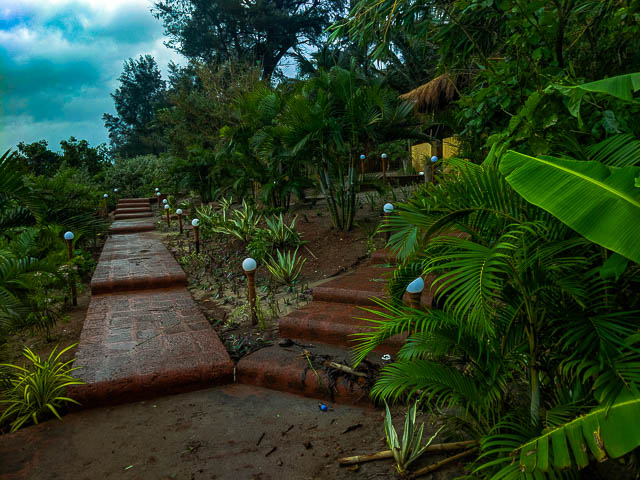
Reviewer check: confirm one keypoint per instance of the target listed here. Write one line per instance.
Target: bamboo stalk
(442, 463)
(438, 447)
(344, 368)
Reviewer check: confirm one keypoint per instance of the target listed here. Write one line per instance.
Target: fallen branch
(344, 368)
(310, 252)
(442, 463)
(439, 447)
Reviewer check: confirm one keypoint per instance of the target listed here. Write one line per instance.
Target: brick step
(287, 370)
(333, 324)
(132, 226)
(121, 210)
(125, 216)
(133, 204)
(133, 200)
(356, 287)
(137, 345)
(383, 256)
(133, 262)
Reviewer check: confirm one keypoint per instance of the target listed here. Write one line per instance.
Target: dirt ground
(233, 432)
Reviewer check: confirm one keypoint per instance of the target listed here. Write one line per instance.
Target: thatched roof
(433, 95)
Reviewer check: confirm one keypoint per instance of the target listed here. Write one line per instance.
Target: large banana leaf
(605, 432)
(600, 202)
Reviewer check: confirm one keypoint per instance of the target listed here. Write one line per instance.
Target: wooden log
(435, 466)
(438, 447)
(344, 368)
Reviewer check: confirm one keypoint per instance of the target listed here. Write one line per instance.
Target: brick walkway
(144, 335)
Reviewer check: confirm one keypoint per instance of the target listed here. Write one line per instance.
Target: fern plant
(37, 390)
(286, 267)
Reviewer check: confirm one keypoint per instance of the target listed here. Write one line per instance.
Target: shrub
(37, 391)
(138, 176)
(286, 267)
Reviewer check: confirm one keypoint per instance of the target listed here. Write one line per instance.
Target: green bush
(138, 176)
(37, 391)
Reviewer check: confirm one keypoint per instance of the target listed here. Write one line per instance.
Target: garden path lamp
(388, 210)
(166, 209)
(414, 289)
(158, 195)
(104, 201)
(157, 189)
(362, 157)
(69, 236)
(195, 223)
(434, 160)
(179, 213)
(115, 194)
(383, 157)
(249, 266)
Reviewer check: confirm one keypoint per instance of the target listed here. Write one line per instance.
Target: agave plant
(411, 448)
(37, 391)
(280, 234)
(286, 267)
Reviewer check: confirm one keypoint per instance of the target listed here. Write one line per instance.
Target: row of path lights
(383, 158)
(69, 236)
(249, 265)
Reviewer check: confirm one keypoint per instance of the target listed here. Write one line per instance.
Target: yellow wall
(450, 147)
(419, 154)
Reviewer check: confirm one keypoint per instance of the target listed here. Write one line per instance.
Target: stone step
(333, 324)
(133, 262)
(136, 199)
(121, 210)
(125, 216)
(132, 226)
(288, 370)
(383, 256)
(146, 344)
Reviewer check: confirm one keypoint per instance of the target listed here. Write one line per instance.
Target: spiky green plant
(37, 390)
(286, 267)
(280, 234)
(411, 448)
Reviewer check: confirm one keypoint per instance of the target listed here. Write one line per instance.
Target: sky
(60, 60)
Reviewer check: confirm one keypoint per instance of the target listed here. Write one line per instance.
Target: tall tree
(78, 154)
(251, 31)
(38, 158)
(142, 91)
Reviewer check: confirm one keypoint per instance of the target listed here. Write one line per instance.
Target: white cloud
(60, 60)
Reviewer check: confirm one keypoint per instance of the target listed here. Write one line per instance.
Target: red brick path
(144, 335)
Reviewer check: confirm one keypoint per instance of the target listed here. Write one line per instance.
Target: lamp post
(414, 289)
(434, 159)
(158, 195)
(166, 209)
(384, 167)
(195, 223)
(106, 208)
(115, 195)
(388, 210)
(249, 266)
(69, 236)
(179, 213)
(362, 157)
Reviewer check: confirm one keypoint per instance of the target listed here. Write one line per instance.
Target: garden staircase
(133, 215)
(143, 336)
(322, 332)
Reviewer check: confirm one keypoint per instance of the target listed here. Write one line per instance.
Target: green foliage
(139, 176)
(281, 235)
(286, 267)
(411, 448)
(37, 391)
(142, 91)
(600, 202)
